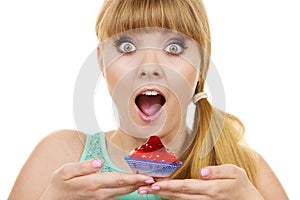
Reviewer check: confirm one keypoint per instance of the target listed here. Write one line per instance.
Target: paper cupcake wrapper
(152, 168)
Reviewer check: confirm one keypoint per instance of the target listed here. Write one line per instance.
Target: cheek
(111, 80)
(192, 77)
(187, 69)
(115, 74)
(182, 82)
(190, 74)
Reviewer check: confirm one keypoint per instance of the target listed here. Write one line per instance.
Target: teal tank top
(95, 147)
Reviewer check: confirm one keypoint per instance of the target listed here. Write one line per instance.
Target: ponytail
(219, 140)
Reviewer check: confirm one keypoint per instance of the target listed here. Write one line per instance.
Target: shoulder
(61, 144)
(53, 151)
(63, 135)
(63, 139)
(268, 184)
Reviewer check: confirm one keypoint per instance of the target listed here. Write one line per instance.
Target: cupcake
(153, 159)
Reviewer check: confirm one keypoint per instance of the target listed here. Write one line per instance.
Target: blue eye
(174, 48)
(126, 47)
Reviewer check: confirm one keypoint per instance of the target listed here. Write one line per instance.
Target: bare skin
(53, 171)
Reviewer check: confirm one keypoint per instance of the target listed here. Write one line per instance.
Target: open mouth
(149, 104)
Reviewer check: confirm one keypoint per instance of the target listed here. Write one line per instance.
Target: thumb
(75, 169)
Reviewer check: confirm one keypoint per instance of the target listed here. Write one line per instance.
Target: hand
(218, 183)
(80, 180)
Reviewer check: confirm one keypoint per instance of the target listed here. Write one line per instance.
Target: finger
(75, 169)
(89, 186)
(161, 179)
(186, 186)
(181, 196)
(116, 179)
(109, 193)
(172, 193)
(226, 171)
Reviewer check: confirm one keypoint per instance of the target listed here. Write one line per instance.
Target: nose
(150, 71)
(150, 66)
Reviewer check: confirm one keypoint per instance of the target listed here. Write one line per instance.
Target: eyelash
(122, 41)
(180, 43)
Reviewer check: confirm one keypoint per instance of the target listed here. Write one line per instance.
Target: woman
(154, 55)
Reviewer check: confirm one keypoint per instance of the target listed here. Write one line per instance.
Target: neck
(176, 141)
(123, 141)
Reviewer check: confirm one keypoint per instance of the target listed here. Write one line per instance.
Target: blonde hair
(222, 130)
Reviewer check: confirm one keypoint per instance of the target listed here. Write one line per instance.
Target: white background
(255, 47)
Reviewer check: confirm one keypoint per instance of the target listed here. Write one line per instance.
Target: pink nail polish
(96, 163)
(150, 181)
(155, 187)
(143, 192)
(205, 173)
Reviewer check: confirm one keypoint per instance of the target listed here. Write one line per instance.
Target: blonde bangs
(118, 16)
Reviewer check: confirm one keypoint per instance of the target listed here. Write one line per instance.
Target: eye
(126, 47)
(174, 48)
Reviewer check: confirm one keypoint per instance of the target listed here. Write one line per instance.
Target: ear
(100, 60)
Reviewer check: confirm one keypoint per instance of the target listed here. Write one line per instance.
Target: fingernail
(143, 192)
(96, 163)
(155, 187)
(204, 172)
(149, 181)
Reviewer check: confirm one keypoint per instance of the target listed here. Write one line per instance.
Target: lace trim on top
(95, 147)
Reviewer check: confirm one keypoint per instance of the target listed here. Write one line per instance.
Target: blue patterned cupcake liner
(152, 168)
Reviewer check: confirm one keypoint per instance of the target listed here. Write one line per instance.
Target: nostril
(156, 74)
(150, 72)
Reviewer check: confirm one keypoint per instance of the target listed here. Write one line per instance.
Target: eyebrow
(122, 38)
(178, 37)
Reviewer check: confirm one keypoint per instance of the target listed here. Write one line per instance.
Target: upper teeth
(150, 92)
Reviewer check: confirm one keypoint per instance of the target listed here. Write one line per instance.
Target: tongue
(149, 104)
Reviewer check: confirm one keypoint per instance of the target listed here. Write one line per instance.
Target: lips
(149, 104)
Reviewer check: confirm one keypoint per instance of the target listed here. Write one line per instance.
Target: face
(151, 75)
